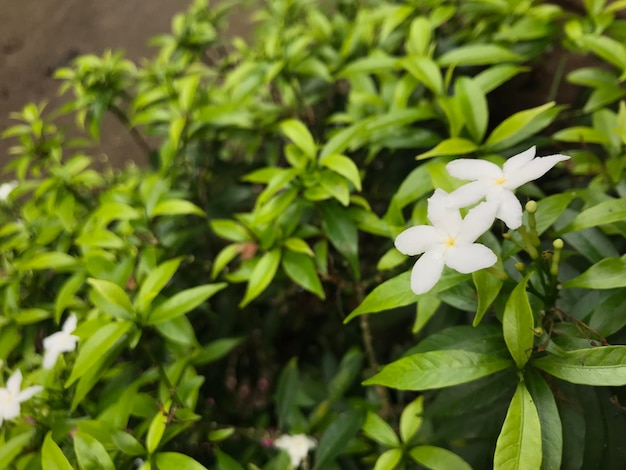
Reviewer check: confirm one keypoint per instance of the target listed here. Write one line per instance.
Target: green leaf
(520, 126)
(51, 260)
(474, 107)
(183, 302)
(601, 366)
(261, 276)
(519, 442)
(91, 454)
(225, 256)
(52, 457)
(336, 437)
(176, 207)
(606, 212)
(411, 419)
(437, 369)
(551, 427)
(343, 166)
(300, 268)
(606, 274)
(518, 324)
(436, 458)
(230, 230)
(388, 460)
(453, 146)
(349, 369)
(226, 462)
(219, 435)
(491, 78)
(607, 49)
(549, 209)
(298, 245)
(379, 430)
(426, 71)
(113, 293)
(288, 384)
(157, 429)
(216, 350)
(298, 133)
(154, 282)
(275, 207)
(478, 54)
(415, 185)
(175, 460)
(488, 287)
(95, 347)
(336, 186)
(582, 135)
(13, 447)
(127, 443)
(343, 234)
(418, 41)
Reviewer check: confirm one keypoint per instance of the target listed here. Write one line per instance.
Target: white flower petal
(477, 221)
(532, 170)
(15, 383)
(469, 258)
(518, 161)
(510, 210)
(467, 195)
(70, 324)
(11, 410)
(469, 169)
(416, 240)
(29, 392)
(427, 271)
(50, 358)
(441, 215)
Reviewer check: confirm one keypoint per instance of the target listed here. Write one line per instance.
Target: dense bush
(282, 170)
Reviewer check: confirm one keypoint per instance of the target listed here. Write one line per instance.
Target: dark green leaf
(288, 384)
(606, 274)
(336, 437)
(342, 233)
(518, 324)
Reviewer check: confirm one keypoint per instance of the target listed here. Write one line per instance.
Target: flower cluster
(12, 396)
(297, 446)
(450, 240)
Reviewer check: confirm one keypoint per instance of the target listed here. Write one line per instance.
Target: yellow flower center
(501, 180)
(450, 242)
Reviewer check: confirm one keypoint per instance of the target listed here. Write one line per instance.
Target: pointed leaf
(343, 166)
(606, 212)
(388, 460)
(288, 384)
(91, 454)
(301, 269)
(436, 458)
(183, 302)
(300, 136)
(488, 287)
(379, 430)
(478, 54)
(175, 460)
(176, 207)
(155, 282)
(13, 447)
(521, 125)
(452, 146)
(411, 419)
(261, 276)
(336, 437)
(518, 324)
(52, 457)
(112, 292)
(474, 107)
(606, 274)
(342, 232)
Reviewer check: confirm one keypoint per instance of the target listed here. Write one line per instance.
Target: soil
(38, 36)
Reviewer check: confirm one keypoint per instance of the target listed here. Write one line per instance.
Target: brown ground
(38, 36)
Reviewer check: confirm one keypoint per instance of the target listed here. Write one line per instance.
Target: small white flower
(497, 184)
(449, 241)
(12, 396)
(6, 189)
(59, 342)
(297, 446)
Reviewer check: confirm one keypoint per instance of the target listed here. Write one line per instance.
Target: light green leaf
(426, 71)
(601, 366)
(582, 135)
(261, 275)
(606, 274)
(418, 41)
(491, 78)
(216, 350)
(157, 428)
(154, 282)
(175, 460)
(183, 302)
(336, 437)
(521, 125)
(411, 419)
(225, 256)
(453, 146)
(298, 133)
(336, 186)
(388, 460)
(488, 287)
(94, 348)
(519, 443)
(343, 166)
(436, 458)
(52, 457)
(91, 454)
(478, 54)
(549, 209)
(606, 212)
(51, 260)
(298, 245)
(379, 430)
(474, 107)
(112, 292)
(300, 268)
(518, 324)
(607, 49)
(230, 230)
(437, 369)
(13, 447)
(176, 207)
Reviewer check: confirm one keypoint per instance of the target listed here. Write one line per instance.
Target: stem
(134, 133)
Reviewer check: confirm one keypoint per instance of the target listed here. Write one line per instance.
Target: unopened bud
(520, 266)
(558, 244)
(531, 207)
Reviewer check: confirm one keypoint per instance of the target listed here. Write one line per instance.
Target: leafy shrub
(216, 309)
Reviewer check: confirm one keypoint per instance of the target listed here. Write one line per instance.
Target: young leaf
(51, 260)
(183, 302)
(298, 133)
(52, 457)
(606, 274)
(388, 460)
(157, 428)
(411, 419)
(337, 436)
(91, 454)
(379, 430)
(601, 366)
(519, 442)
(474, 107)
(343, 166)
(113, 293)
(426, 71)
(154, 283)
(436, 458)
(13, 447)
(518, 324)
(437, 369)
(453, 146)
(487, 287)
(176, 207)
(176, 460)
(478, 54)
(261, 276)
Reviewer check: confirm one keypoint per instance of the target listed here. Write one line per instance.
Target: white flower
(6, 189)
(449, 241)
(297, 446)
(59, 342)
(12, 396)
(497, 184)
